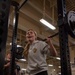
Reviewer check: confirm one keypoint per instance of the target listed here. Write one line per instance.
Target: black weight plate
(19, 52)
(71, 23)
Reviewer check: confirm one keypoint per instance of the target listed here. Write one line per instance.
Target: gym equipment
(63, 38)
(22, 4)
(63, 34)
(71, 23)
(4, 14)
(51, 36)
(19, 52)
(14, 36)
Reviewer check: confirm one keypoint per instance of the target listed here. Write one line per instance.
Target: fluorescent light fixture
(57, 58)
(14, 21)
(19, 46)
(59, 73)
(71, 62)
(46, 23)
(23, 69)
(53, 69)
(59, 66)
(10, 43)
(22, 59)
(50, 65)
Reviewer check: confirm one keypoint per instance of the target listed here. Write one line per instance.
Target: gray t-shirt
(37, 57)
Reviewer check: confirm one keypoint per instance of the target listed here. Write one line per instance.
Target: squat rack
(63, 38)
(63, 35)
(4, 16)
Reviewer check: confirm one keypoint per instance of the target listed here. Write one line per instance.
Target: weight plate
(71, 23)
(19, 52)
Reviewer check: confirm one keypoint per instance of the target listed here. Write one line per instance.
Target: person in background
(7, 65)
(35, 52)
(18, 68)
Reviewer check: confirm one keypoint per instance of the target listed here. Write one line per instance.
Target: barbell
(69, 25)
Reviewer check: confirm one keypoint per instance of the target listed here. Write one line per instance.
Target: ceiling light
(10, 43)
(22, 59)
(59, 66)
(23, 69)
(14, 21)
(19, 46)
(59, 73)
(57, 58)
(50, 65)
(46, 23)
(53, 69)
